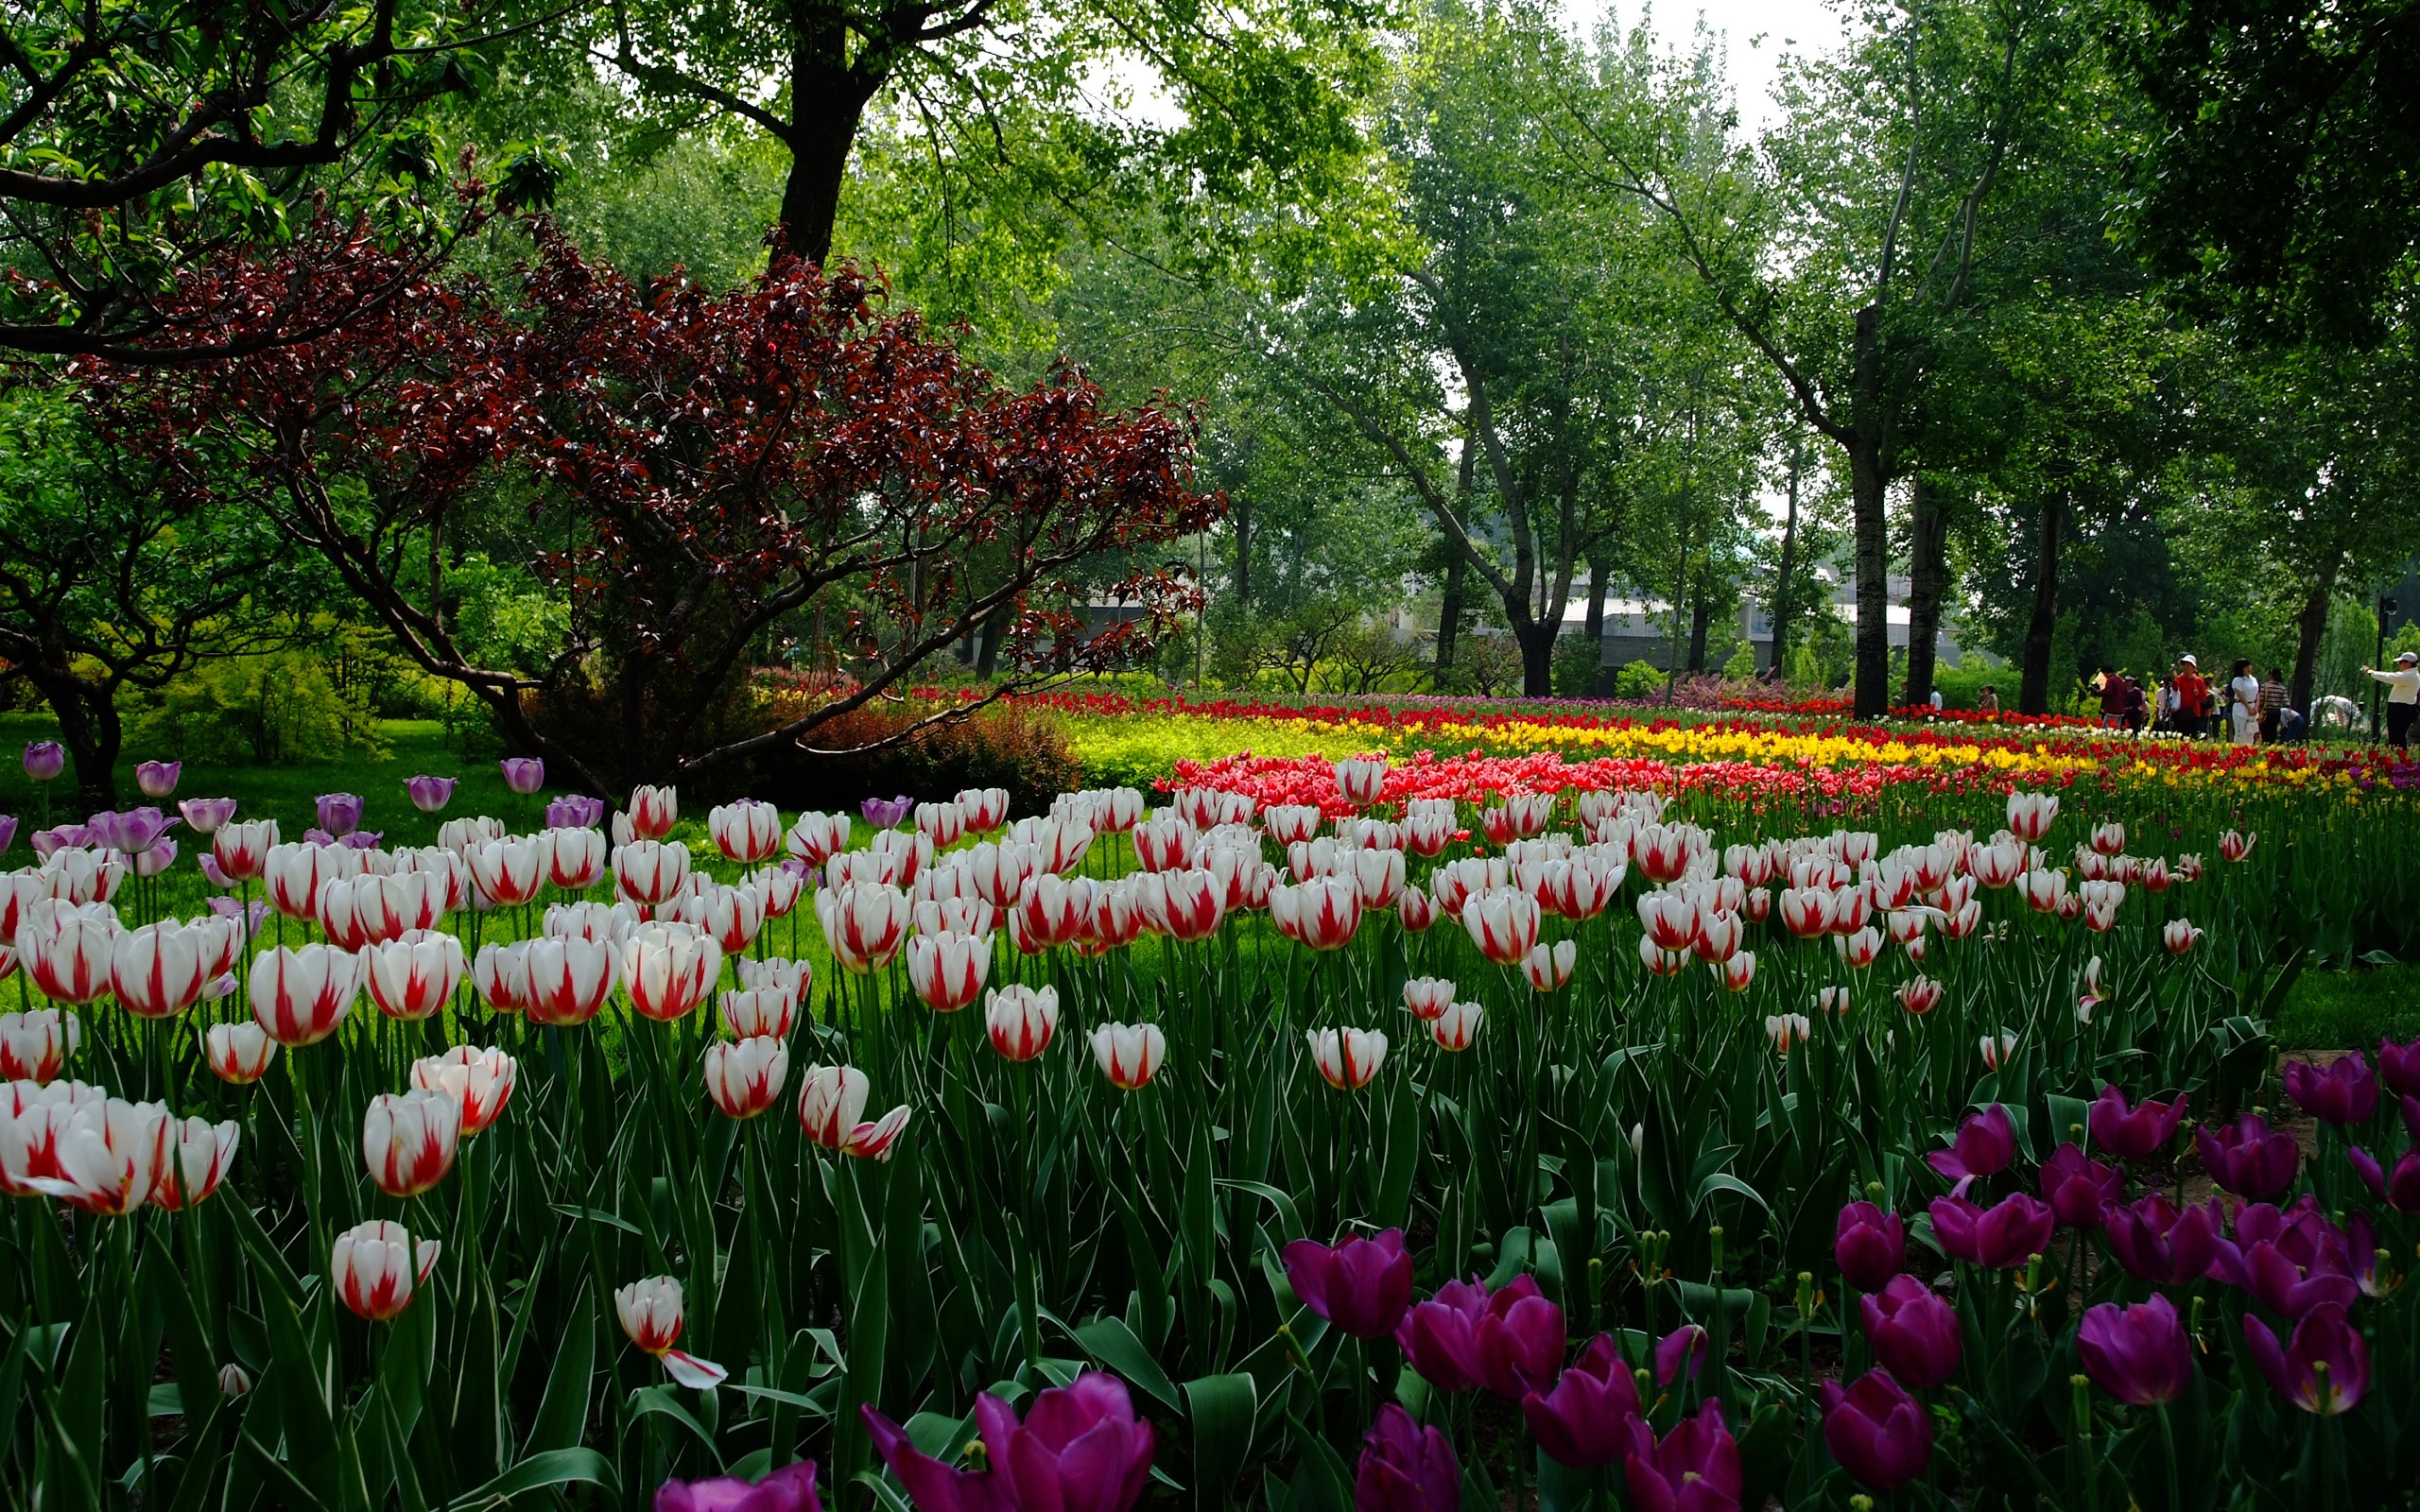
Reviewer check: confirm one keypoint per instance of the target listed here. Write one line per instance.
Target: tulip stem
(2168, 1448)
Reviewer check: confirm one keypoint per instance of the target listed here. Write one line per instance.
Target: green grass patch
(2352, 1009)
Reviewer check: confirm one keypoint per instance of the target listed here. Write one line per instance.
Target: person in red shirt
(2192, 697)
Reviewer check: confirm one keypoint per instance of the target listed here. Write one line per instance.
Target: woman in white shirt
(2243, 704)
(2402, 698)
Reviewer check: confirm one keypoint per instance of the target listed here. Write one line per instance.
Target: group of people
(2247, 708)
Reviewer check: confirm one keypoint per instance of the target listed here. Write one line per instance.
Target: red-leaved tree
(698, 471)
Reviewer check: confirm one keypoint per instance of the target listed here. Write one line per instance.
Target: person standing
(1990, 701)
(2243, 704)
(2192, 697)
(2402, 698)
(2273, 698)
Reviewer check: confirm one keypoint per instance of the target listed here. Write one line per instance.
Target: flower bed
(1622, 1123)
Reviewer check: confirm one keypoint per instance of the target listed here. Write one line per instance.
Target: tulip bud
(1347, 1058)
(651, 1314)
(375, 1266)
(409, 1142)
(479, 1082)
(1130, 1055)
(1021, 1021)
(745, 1080)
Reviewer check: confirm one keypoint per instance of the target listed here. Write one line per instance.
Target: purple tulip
(1440, 1337)
(2326, 1367)
(2078, 1190)
(2158, 1244)
(2344, 1092)
(2411, 1115)
(791, 1488)
(1405, 1468)
(2001, 1237)
(2138, 1354)
(1914, 1333)
(48, 843)
(153, 862)
(2249, 1159)
(2291, 1259)
(1869, 1245)
(1682, 1349)
(158, 779)
(574, 810)
(1590, 1416)
(525, 775)
(884, 812)
(2399, 1067)
(253, 914)
(1519, 1340)
(1080, 1448)
(2135, 1133)
(130, 833)
(207, 815)
(362, 839)
(429, 793)
(2401, 1191)
(1696, 1468)
(2368, 1257)
(1985, 1146)
(1361, 1285)
(7, 831)
(44, 759)
(1877, 1431)
(339, 813)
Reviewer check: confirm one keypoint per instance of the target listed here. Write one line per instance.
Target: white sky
(1755, 32)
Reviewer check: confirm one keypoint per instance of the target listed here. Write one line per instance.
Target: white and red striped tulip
(2179, 935)
(1347, 1058)
(815, 838)
(2234, 844)
(90, 876)
(242, 849)
(1670, 920)
(1322, 913)
(1999, 863)
(948, 970)
(669, 970)
(1379, 875)
(2109, 837)
(375, 1266)
(654, 811)
(294, 873)
(1659, 961)
(1455, 1028)
(878, 868)
(1059, 844)
(1121, 809)
(1187, 905)
(1663, 852)
(829, 1106)
(465, 833)
(1052, 911)
(1165, 845)
(480, 1081)
(161, 969)
(1736, 971)
(1954, 893)
(733, 916)
(1117, 917)
(2043, 892)
(32, 1119)
(1130, 1055)
(511, 872)
(1920, 994)
(198, 1155)
(1290, 823)
(910, 853)
(2029, 815)
(986, 808)
(1860, 949)
(1021, 1020)
(408, 1141)
(69, 955)
(300, 996)
(1416, 910)
(954, 916)
(1907, 925)
(1721, 933)
(107, 1156)
(864, 925)
(999, 870)
(943, 824)
(1851, 908)
(413, 976)
(650, 871)
(750, 1013)
(747, 831)
(779, 887)
(650, 1315)
(1361, 781)
(17, 890)
(1788, 1029)
(575, 858)
(35, 1044)
(1964, 921)
(744, 1078)
(773, 975)
(1427, 835)
(237, 1054)
(1998, 1050)
(1426, 997)
(2154, 876)
(500, 974)
(1549, 967)
(2100, 901)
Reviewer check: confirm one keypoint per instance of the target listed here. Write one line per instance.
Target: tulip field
(1654, 1129)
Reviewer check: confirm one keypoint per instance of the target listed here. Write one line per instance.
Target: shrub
(277, 710)
(1640, 680)
(1579, 666)
(1017, 747)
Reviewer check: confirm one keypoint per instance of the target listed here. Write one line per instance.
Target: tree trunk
(1449, 613)
(1241, 514)
(987, 661)
(1783, 608)
(1537, 657)
(88, 726)
(1698, 614)
(1598, 581)
(1927, 573)
(1869, 485)
(2314, 629)
(828, 102)
(2033, 687)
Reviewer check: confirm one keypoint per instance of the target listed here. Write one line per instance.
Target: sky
(1755, 32)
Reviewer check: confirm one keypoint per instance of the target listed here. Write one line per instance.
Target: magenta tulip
(1877, 1431)
(339, 813)
(2001, 1237)
(2292, 1261)
(2344, 1092)
(2400, 1067)
(2399, 1190)
(7, 831)
(206, 816)
(2326, 1367)
(1440, 1337)
(2160, 1243)
(1985, 1146)
(1915, 1332)
(1695, 1469)
(2368, 1259)
(1682, 1349)
(1869, 1245)
(2249, 1159)
(1590, 1418)
(2080, 1190)
(791, 1488)
(1361, 1285)
(2133, 1133)
(1519, 1340)
(44, 759)
(1080, 1448)
(130, 833)
(1405, 1468)
(2138, 1354)
(883, 812)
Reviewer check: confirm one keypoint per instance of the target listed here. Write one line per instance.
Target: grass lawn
(2351, 1011)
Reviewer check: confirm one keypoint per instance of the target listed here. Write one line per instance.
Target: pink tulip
(199, 1155)
(375, 1266)
(523, 775)
(1021, 1021)
(745, 1080)
(409, 1142)
(300, 996)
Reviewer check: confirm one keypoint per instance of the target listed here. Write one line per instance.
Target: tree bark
(1458, 564)
(1927, 574)
(1869, 485)
(2033, 686)
(1537, 657)
(1698, 614)
(1598, 581)
(2314, 629)
(1783, 605)
(89, 728)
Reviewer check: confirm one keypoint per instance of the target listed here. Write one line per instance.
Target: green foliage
(2351, 1010)
(277, 710)
(1579, 665)
(1639, 680)
(1741, 666)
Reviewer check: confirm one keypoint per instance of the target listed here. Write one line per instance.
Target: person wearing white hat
(2192, 697)
(2402, 698)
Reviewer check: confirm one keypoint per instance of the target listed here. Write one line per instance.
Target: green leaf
(555, 1466)
(1222, 1409)
(658, 1401)
(562, 1411)
(1114, 1344)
